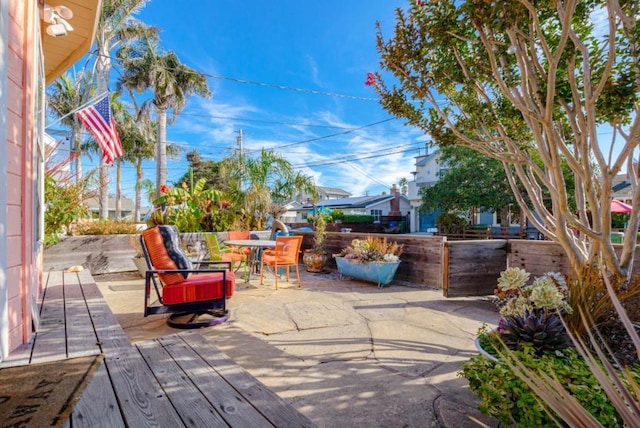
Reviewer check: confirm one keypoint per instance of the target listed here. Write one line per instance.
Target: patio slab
(344, 353)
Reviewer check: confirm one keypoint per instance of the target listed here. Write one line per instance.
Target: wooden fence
(471, 268)
(459, 268)
(421, 258)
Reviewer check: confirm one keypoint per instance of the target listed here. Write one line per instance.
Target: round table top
(265, 243)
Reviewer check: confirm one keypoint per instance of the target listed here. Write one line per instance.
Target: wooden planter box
(379, 272)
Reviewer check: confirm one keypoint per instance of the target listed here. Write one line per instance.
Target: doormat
(43, 395)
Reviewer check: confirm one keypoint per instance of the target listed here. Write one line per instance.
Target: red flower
(164, 189)
(224, 204)
(371, 79)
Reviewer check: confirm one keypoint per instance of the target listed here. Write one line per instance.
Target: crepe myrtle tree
(535, 85)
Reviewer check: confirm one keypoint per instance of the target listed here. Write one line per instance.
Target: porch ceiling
(60, 53)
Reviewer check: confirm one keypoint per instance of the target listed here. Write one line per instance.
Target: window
(376, 215)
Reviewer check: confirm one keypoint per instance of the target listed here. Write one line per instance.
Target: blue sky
(315, 47)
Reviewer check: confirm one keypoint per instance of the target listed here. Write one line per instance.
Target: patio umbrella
(620, 207)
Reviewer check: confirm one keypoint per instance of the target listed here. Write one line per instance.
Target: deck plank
(111, 337)
(267, 402)
(97, 406)
(175, 381)
(233, 407)
(50, 339)
(81, 337)
(142, 401)
(183, 394)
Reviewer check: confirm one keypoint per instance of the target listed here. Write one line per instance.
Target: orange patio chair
(285, 254)
(192, 298)
(240, 234)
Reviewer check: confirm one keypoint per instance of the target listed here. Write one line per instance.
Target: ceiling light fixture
(56, 17)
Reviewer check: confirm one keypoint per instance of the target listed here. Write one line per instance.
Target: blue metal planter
(379, 272)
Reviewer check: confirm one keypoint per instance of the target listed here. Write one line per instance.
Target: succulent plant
(541, 328)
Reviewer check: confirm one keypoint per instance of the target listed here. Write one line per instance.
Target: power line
(273, 122)
(263, 84)
(331, 135)
(333, 161)
(356, 156)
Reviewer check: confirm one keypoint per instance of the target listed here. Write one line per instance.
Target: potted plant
(138, 259)
(530, 313)
(373, 259)
(315, 258)
(531, 330)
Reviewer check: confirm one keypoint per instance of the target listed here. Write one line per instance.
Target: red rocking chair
(193, 298)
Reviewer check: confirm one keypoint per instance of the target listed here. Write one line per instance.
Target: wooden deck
(173, 381)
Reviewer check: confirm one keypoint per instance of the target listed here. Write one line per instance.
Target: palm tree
(404, 185)
(116, 26)
(146, 67)
(256, 183)
(64, 98)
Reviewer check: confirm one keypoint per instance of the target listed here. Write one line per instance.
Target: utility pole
(239, 141)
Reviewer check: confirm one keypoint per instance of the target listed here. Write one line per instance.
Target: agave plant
(541, 328)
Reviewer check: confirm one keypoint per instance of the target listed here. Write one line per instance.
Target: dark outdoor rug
(43, 395)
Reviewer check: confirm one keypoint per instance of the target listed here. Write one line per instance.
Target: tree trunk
(118, 190)
(161, 149)
(136, 213)
(75, 143)
(103, 68)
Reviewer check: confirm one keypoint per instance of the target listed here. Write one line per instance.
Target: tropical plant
(531, 87)
(64, 97)
(171, 82)
(193, 209)
(117, 25)
(254, 183)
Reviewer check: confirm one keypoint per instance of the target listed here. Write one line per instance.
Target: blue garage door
(428, 220)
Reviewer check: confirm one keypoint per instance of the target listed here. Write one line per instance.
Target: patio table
(255, 245)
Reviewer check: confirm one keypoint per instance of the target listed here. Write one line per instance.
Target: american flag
(99, 121)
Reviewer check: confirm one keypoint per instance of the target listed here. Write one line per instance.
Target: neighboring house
(127, 206)
(393, 204)
(30, 59)
(622, 189)
(331, 193)
(324, 193)
(427, 173)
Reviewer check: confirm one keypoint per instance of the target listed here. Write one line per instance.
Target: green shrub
(357, 219)
(506, 397)
(451, 223)
(64, 205)
(106, 227)
(337, 215)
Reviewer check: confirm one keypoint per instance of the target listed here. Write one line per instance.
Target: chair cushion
(233, 257)
(198, 287)
(165, 253)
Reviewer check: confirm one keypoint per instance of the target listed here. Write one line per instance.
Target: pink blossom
(371, 79)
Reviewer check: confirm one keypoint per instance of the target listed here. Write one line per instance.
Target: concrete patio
(343, 352)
